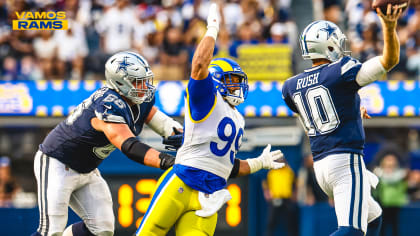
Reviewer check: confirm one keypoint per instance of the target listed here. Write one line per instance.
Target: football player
(66, 164)
(190, 194)
(326, 99)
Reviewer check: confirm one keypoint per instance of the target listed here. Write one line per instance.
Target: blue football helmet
(222, 70)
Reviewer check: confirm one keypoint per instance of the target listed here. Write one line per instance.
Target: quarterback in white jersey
(189, 195)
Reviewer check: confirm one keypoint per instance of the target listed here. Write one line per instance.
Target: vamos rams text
(49, 20)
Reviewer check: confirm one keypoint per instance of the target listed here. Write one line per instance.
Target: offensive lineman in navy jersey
(326, 100)
(66, 164)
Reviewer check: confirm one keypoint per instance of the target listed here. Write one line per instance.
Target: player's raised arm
(376, 67)
(204, 52)
(391, 51)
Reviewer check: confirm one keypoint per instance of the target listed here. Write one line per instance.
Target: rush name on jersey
(327, 101)
(77, 144)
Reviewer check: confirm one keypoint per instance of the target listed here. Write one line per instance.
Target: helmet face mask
(230, 80)
(323, 39)
(130, 75)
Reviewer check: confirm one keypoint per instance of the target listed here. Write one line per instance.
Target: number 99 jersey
(327, 101)
(212, 142)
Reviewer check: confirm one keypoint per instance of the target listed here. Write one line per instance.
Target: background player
(66, 164)
(190, 194)
(326, 98)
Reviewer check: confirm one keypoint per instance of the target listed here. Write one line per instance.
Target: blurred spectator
(308, 190)
(414, 185)
(71, 50)
(413, 54)
(245, 35)
(391, 191)
(8, 185)
(173, 56)
(45, 48)
(371, 45)
(117, 26)
(223, 43)
(173, 48)
(279, 192)
(278, 33)
(109, 26)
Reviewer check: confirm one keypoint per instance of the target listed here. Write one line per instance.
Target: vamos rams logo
(50, 20)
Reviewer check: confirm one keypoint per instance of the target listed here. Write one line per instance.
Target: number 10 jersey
(327, 101)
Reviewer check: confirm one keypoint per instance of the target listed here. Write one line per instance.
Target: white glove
(211, 203)
(267, 160)
(213, 20)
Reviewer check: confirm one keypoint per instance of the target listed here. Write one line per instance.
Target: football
(382, 4)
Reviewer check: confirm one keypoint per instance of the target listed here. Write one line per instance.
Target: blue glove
(173, 142)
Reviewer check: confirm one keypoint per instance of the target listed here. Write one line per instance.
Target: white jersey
(209, 148)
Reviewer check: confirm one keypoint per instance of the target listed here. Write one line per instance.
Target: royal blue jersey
(77, 144)
(327, 101)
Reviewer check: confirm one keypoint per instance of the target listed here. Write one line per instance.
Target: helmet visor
(236, 84)
(142, 88)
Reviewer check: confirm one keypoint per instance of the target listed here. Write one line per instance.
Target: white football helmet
(130, 75)
(323, 39)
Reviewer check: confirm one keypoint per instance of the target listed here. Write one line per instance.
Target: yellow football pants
(175, 203)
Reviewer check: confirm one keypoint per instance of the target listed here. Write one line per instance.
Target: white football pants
(60, 187)
(345, 178)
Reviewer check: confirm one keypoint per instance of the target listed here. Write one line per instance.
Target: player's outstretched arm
(204, 52)
(391, 51)
(267, 160)
(161, 123)
(121, 137)
(374, 68)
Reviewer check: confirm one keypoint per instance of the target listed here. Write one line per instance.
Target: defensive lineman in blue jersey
(66, 164)
(325, 98)
(189, 195)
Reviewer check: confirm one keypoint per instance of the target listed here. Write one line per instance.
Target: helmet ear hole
(119, 83)
(330, 48)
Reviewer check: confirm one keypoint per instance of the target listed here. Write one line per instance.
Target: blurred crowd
(166, 32)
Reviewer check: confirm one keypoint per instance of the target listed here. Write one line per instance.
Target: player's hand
(390, 18)
(270, 159)
(174, 142)
(267, 160)
(364, 114)
(213, 19)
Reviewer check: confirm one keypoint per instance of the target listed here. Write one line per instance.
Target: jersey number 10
(319, 115)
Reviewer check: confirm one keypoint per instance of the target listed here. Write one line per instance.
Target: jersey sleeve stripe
(349, 65)
(110, 118)
(206, 116)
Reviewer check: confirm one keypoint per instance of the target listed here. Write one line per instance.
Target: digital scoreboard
(132, 194)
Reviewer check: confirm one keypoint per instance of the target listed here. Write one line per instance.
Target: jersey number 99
(226, 130)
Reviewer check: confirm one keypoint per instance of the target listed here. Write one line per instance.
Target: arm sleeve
(111, 109)
(370, 71)
(201, 96)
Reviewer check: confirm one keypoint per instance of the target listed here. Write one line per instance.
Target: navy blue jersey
(77, 144)
(327, 101)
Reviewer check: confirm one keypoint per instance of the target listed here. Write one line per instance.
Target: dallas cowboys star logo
(329, 29)
(123, 65)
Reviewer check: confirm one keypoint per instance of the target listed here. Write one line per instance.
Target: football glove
(173, 142)
(213, 18)
(267, 160)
